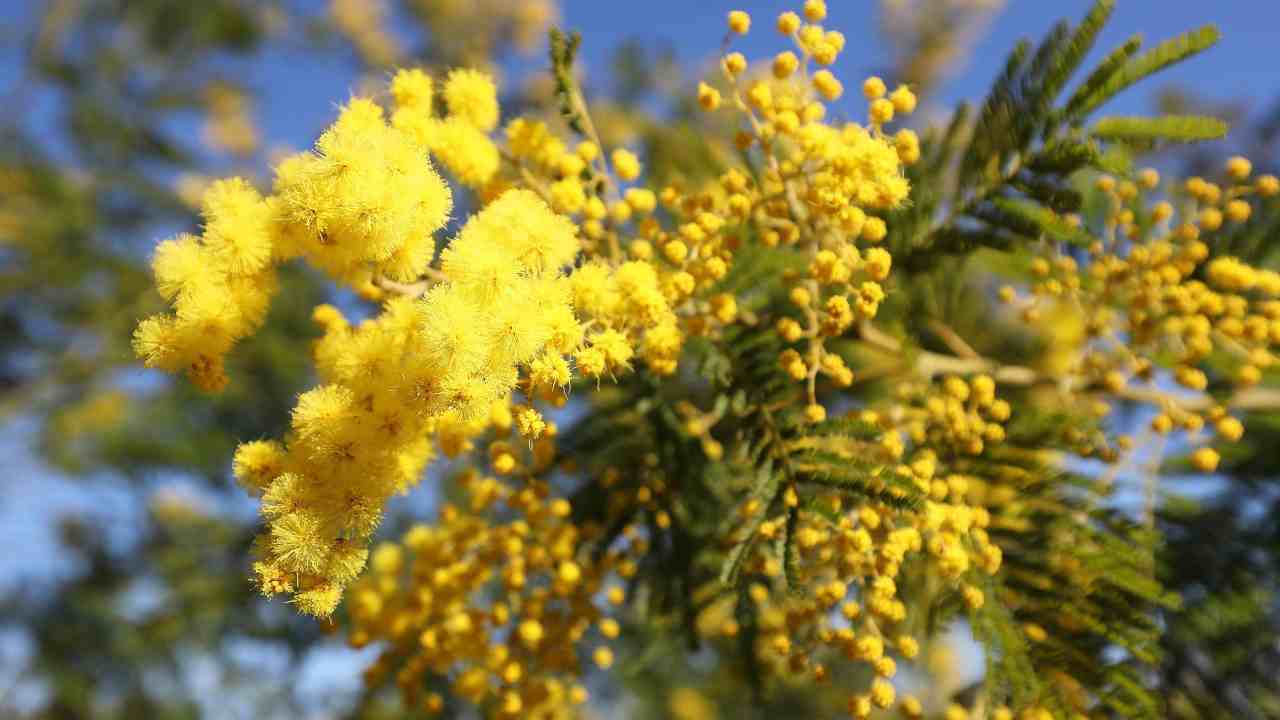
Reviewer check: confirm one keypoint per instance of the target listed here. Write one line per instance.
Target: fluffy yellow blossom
(413, 89)
(471, 97)
(220, 285)
(785, 63)
(904, 101)
(708, 97)
(873, 88)
(734, 63)
(1205, 460)
(366, 202)
(464, 150)
(788, 23)
(450, 355)
(827, 85)
(626, 164)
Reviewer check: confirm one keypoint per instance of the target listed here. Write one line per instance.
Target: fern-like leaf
(1172, 128)
(1167, 53)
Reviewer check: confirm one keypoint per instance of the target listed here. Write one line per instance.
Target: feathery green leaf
(1173, 128)
(1154, 60)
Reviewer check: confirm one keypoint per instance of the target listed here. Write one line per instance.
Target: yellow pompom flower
(904, 101)
(464, 150)
(734, 63)
(784, 64)
(413, 89)
(625, 164)
(1205, 459)
(881, 111)
(827, 85)
(788, 23)
(238, 226)
(873, 88)
(1238, 168)
(708, 97)
(471, 96)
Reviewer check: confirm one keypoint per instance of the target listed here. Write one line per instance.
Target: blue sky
(300, 92)
(1236, 68)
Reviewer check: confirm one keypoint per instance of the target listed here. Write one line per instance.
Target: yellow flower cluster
(365, 433)
(850, 558)
(963, 418)
(1154, 290)
(496, 317)
(459, 140)
(501, 610)
(627, 306)
(220, 285)
(476, 33)
(365, 204)
(822, 183)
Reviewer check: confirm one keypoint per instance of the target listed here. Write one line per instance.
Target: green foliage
(564, 48)
(1115, 77)
(1020, 152)
(1222, 554)
(1174, 128)
(1031, 219)
(1105, 631)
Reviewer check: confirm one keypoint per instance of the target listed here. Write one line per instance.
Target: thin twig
(929, 364)
(952, 339)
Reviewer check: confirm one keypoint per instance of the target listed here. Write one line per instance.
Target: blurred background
(123, 540)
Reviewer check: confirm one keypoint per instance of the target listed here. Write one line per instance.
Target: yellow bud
(827, 85)
(881, 111)
(873, 88)
(785, 63)
(1238, 211)
(626, 164)
(1229, 428)
(904, 101)
(734, 63)
(1210, 219)
(874, 230)
(1205, 459)
(708, 97)
(1238, 168)
(675, 251)
(788, 23)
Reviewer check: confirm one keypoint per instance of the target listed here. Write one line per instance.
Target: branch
(930, 364)
(952, 339)
(431, 276)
